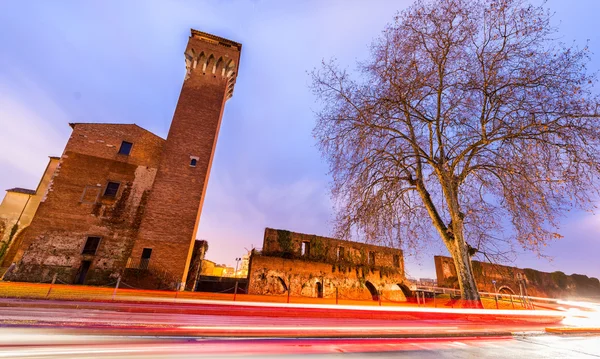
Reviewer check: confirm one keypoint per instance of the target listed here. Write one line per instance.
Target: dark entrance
(83, 270)
(372, 290)
(319, 290)
(146, 254)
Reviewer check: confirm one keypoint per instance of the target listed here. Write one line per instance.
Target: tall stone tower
(168, 228)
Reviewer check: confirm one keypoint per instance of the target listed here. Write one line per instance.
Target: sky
(122, 62)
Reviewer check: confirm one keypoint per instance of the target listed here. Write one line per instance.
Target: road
(35, 343)
(267, 320)
(71, 329)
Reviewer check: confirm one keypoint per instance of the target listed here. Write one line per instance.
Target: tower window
(125, 148)
(111, 189)
(396, 261)
(193, 161)
(91, 245)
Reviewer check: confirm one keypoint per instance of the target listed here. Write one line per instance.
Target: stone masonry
(539, 284)
(314, 266)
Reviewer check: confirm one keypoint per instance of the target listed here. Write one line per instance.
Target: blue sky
(122, 62)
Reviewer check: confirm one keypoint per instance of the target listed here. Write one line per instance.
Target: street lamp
(495, 293)
(237, 261)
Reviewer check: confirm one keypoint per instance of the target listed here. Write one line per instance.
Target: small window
(305, 248)
(372, 258)
(193, 161)
(396, 261)
(125, 148)
(91, 245)
(340, 253)
(111, 189)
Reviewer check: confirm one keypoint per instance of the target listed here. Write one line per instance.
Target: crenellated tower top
(211, 56)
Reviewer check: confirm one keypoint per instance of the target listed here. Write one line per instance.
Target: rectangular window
(91, 245)
(396, 261)
(305, 248)
(125, 148)
(90, 194)
(146, 254)
(111, 189)
(340, 253)
(372, 258)
(193, 161)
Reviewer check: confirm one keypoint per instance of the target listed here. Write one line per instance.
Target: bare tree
(469, 116)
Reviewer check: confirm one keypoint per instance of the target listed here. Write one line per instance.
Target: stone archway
(372, 290)
(506, 290)
(282, 282)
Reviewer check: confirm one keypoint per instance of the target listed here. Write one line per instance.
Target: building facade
(123, 198)
(314, 266)
(17, 211)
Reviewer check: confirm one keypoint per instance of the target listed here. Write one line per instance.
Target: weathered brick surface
(541, 284)
(171, 219)
(54, 241)
(326, 249)
(281, 267)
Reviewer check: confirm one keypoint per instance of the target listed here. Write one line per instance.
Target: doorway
(319, 290)
(83, 270)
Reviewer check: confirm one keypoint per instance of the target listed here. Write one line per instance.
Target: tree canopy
(469, 122)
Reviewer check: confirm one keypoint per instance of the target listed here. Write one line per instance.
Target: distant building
(123, 201)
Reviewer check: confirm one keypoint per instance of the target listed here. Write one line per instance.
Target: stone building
(506, 280)
(313, 266)
(16, 212)
(123, 198)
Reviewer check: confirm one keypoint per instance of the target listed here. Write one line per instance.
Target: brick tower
(168, 228)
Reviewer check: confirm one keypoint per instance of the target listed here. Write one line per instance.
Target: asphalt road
(259, 321)
(35, 343)
(49, 329)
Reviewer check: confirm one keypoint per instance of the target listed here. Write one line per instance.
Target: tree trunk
(457, 246)
(464, 271)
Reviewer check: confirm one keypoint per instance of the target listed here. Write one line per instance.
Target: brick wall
(270, 275)
(542, 284)
(171, 219)
(74, 206)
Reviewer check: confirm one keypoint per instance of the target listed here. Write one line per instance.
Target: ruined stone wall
(75, 206)
(288, 244)
(270, 275)
(357, 270)
(541, 284)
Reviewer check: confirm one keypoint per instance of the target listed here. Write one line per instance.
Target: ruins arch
(372, 290)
